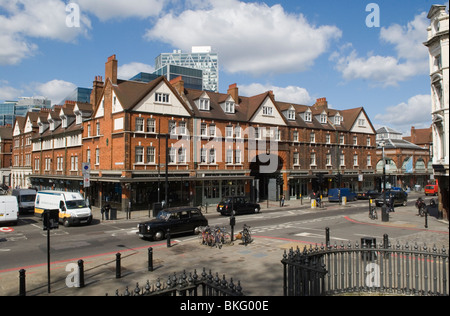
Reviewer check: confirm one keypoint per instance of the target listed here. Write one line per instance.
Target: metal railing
(386, 269)
(184, 285)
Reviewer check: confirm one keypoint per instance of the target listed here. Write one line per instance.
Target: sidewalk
(257, 266)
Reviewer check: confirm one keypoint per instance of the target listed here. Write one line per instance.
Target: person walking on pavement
(105, 210)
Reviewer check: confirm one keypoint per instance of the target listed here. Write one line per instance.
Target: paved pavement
(257, 266)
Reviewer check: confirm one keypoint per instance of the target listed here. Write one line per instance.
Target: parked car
(400, 198)
(367, 195)
(179, 220)
(335, 194)
(239, 204)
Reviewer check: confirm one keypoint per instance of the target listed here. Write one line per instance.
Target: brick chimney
(111, 69)
(233, 90)
(97, 88)
(413, 135)
(178, 84)
(322, 102)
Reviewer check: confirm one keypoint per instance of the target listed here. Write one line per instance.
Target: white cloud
(414, 112)
(9, 93)
(411, 59)
(120, 9)
(22, 20)
(55, 90)
(249, 37)
(129, 70)
(292, 94)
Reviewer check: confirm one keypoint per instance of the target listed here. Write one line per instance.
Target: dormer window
(323, 118)
(229, 107)
(79, 118)
(64, 121)
(308, 116)
(204, 104)
(291, 115)
(337, 120)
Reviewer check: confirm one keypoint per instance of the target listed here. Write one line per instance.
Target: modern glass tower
(201, 58)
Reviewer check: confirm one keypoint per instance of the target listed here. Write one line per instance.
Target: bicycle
(206, 236)
(246, 235)
(221, 237)
(217, 236)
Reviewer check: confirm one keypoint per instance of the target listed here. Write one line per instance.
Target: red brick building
(218, 144)
(5, 155)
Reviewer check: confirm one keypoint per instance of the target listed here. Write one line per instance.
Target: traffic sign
(86, 168)
(86, 174)
(86, 181)
(6, 229)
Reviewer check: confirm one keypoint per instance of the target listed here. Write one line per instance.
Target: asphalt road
(27, 245)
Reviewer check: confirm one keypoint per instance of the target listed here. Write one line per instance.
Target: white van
(9, 209)
(25, 199)
(71, 205)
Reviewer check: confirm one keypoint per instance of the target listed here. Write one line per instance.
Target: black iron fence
(382, 269)
(204, 284)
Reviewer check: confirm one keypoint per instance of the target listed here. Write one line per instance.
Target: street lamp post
(384, 213)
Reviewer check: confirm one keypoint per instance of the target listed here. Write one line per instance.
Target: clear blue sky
(302, 50)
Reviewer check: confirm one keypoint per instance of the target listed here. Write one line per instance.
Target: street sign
(86, 181)
(86, 168)
(86, 174)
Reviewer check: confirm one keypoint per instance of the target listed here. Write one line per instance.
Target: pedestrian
(391, 203)
(107, 208)
(282, 200)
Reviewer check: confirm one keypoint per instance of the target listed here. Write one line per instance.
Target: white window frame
(162, 98)
(229, 157)
(296, 159)
(151, 125)
(267, 110)
(139, 124)
(151, 155)
(237, 156)
(229, 107)
(204, 104)
(139, 154)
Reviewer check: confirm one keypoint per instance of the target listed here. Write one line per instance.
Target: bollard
(22, 287)
(327, 236)
(118, 272)
(80, 273)
(426, 218)
(168, 238)
(150, 259)
(386, 245)
(385, 241)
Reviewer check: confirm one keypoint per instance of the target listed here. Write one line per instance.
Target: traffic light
(280, 180)
(338, 179)
(320, 178)
(51, 219)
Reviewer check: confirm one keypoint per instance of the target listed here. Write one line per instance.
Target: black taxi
(178, 220)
